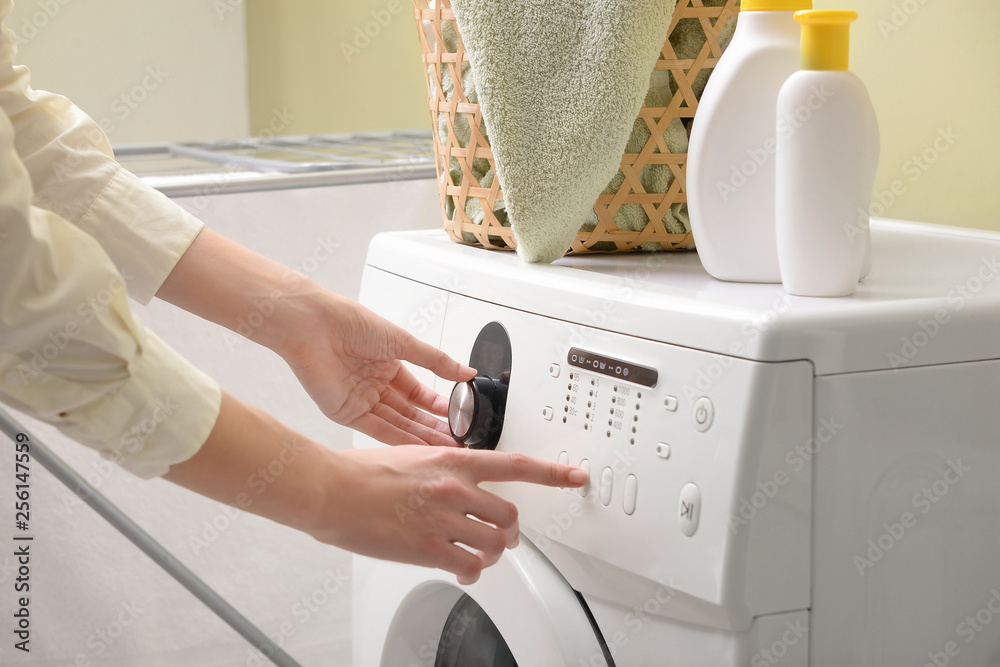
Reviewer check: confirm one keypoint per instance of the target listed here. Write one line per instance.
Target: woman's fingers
(418, 394)
(495, 466)
(419, 432)
(381, 430)
(461, 562)
(488, 543)
(484, 538)
(423, 505)
(493, 509)
(420, 353)
(411, 413)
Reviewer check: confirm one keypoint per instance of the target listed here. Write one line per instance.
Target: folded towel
(560, 83)
(653, 177)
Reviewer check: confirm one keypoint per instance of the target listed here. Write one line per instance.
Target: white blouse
(78, 234)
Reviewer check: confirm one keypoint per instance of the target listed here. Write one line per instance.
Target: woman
(74, 224)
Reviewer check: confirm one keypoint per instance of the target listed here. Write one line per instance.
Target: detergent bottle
(731, 154)
(827, 156)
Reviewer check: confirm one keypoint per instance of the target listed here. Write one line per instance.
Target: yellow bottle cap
(775, 5)
(826, 38)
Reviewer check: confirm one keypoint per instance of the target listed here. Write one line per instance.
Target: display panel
(616, 368)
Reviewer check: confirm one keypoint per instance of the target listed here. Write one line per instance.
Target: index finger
(492, 466)
(423, 354)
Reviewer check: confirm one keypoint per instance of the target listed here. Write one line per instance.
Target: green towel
(560, 83)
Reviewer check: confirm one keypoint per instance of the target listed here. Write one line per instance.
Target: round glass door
(471, 639)
(521, 611)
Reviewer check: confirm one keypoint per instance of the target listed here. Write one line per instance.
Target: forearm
(254, 462)
(347, 358)
(223, 282)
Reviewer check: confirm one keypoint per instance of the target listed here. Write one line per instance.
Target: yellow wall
(932, 67)
(304, 56)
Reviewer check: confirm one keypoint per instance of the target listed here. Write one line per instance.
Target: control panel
(674, 441)
(605, 398)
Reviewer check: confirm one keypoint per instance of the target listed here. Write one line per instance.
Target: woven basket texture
(644, 206)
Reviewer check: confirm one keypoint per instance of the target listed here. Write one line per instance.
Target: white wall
(156, 70)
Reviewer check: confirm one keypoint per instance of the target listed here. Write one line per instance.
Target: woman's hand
(350, 362)
(346, 357)
(416, 505)
(409, 504)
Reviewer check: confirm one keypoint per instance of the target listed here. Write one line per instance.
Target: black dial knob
(475, 411)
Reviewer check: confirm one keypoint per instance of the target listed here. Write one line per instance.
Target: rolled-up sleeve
(74, 175)
(72, 353)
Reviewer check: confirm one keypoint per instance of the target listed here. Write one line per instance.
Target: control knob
(476, 410)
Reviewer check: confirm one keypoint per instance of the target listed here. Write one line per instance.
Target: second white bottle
(827, 156)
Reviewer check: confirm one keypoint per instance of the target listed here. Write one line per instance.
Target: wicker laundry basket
(463, 151)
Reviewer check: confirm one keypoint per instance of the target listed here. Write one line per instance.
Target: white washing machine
(774, 480)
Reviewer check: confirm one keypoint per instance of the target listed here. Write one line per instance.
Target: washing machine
(774, 480)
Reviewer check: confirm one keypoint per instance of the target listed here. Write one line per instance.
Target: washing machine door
(521, 612)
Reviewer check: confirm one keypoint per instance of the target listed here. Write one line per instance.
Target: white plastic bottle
(828, 148)
(730, 169)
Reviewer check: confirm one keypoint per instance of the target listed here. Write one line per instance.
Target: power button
(702, 414)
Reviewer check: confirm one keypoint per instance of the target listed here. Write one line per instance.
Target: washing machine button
(607, 478)
(583, 490)
(703, 413)
(563, 458)
(689, 509)
(663, 450)
(670, 404)
(547, 413)
(554, 370)
(631, 489)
